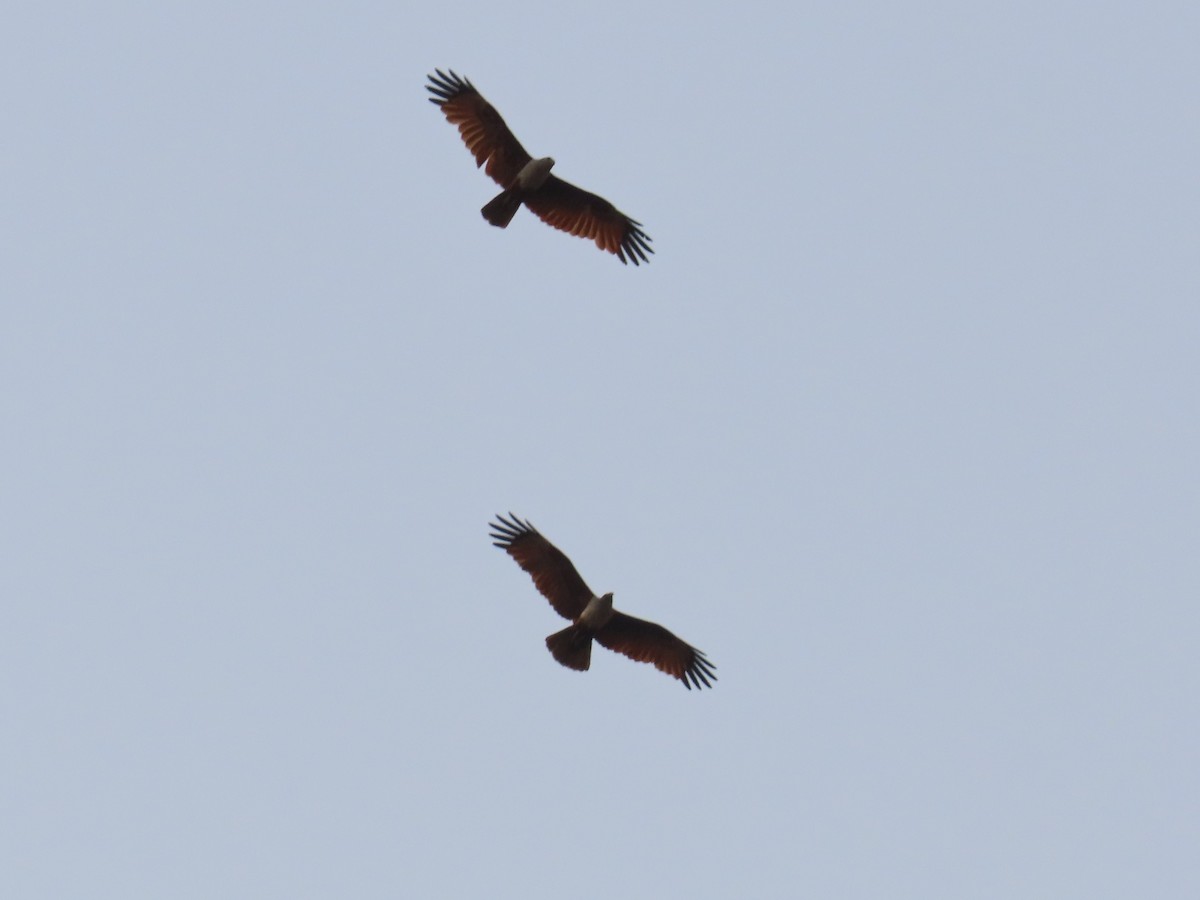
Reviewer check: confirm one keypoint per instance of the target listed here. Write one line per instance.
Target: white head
(598, 611)
(535, 173)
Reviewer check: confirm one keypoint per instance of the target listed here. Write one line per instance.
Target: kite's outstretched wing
(552, 571)
(578, 212)
(647, 642)
(482, 129)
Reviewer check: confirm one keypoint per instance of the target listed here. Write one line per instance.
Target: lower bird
(592, 617)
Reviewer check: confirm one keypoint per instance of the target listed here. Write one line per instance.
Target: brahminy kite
(528, 180)
(592, 616)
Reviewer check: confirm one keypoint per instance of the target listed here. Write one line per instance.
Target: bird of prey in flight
(593, 617)
(528, 180)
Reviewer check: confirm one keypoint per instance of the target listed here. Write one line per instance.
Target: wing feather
(553, 573)
(482, 129)
(646, 642)
(576, 211)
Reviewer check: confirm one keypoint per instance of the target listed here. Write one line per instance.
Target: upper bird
(592, 616)
(528, 180)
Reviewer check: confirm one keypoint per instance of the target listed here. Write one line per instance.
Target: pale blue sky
(900, 426)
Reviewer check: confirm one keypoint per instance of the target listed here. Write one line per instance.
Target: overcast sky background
(900, 425)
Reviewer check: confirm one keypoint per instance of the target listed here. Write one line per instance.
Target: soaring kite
(528, 180)
(592, 616)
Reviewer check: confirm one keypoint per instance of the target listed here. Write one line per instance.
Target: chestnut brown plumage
(593, 617)
(528, 180)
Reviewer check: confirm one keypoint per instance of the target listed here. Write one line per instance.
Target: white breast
(534, 174)
(597, 613)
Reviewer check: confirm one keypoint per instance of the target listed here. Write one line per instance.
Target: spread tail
(572, 647)
(502, 208)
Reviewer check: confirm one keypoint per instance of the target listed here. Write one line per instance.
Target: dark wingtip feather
(701, 672)
(505, 530)
(445, 87)
(635, 244)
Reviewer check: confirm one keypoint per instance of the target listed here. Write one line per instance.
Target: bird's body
(593, 618)
(527, 181)
(597, 613)
(534, 174)
(501, 209)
